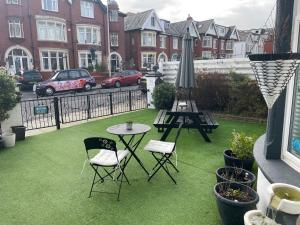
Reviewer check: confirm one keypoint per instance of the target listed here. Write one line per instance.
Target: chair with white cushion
(162, 151)
(108, 157)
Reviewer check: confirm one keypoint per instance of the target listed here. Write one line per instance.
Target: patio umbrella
(185, 76)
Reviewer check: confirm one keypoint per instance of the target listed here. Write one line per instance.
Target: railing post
(111, 103)
(130, 101)
(88, 106)
(56, 111)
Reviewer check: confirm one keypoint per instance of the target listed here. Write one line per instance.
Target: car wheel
(87, 87)
(49, 91)
(138, 82)
(117, 84)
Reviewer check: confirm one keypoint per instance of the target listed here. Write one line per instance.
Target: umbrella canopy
(185, 75)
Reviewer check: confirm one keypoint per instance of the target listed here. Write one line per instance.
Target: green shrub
(242, 145)
(164, 96)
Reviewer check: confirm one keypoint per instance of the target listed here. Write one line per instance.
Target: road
(28, 95)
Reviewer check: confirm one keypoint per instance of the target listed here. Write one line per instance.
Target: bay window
(50, 5)
(207, 42)
(222, 44)
(13, 2)
(50, 30)
(87, 34)
(114, 39)
(87, 9)
(229, 45)
(52, 60)
(15, 28)
(148, 59)
(149, 39)
(215, 43)
(85, 58)
(163, 41)
(175, 43)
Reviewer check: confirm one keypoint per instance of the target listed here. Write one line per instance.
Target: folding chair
(108, 157)
(162, 151)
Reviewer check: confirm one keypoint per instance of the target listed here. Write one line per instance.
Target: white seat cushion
(108, 158)
(160, 146)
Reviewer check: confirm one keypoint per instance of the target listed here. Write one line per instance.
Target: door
(61, 81)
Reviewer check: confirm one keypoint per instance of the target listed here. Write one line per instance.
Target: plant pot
(231, 160)
(9, 139)
(19, 131)
(258, 218)
(231, 211)
(284, 198)
(233, 174)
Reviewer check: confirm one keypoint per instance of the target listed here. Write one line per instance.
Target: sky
(245, 14)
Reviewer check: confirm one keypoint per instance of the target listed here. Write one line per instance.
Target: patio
(41, 181)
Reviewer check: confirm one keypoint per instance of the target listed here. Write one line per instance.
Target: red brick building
(51, 35)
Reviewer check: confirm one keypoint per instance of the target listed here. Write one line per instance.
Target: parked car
(29, 78)
(66, 80)
(124, 78)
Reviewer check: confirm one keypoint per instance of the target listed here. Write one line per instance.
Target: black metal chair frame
(97, 143)
(164, 160)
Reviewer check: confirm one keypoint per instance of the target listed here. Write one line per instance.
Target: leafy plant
(164, 96)
(8, 97)
(242, 145)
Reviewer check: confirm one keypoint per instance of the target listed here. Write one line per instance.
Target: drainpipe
(74, 47)
(282, 44)
(31, 37)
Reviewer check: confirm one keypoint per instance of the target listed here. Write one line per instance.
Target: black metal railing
(68, 109)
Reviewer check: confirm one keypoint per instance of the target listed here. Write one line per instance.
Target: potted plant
(256, 217)
(241, 152)
(234, 174)
(8, 100)
(233, 201)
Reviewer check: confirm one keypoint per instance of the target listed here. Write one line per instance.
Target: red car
(124, 78)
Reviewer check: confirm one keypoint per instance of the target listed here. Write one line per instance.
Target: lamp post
(108, 40)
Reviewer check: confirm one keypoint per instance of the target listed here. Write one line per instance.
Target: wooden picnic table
(187, 111)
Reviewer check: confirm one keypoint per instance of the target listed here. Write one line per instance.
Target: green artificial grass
(41, 181)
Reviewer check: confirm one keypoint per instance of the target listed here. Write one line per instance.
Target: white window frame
(12, 23)
(87, 9)
(229, 45)
(113, 16)
(14, 2)
(207, 42)
(97, 53)
(95, 32)
(54, 5)
(222, 45)
(163, 41)
(215, 43)
(152, 21)
(207, 53)
(150, 34)
(147, 53)
(175, 42)
(112, 43)
(56, 22)
(49, 50)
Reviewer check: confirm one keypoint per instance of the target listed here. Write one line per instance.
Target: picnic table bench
(202, 120)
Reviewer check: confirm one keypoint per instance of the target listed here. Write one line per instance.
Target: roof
(135, 21)
(178, 28)
(229, 32)
(203, 26)
(243, 35)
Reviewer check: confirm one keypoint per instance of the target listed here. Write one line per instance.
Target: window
(207, 42)
(87, 9)
(53, 60)
(13, 2)
(51, 31)
(87, 34)
(229, 45)
(148, 59)
(153, 21)
(206, 55)
(222, 31)
(215, 43)
(15, 28)
(149, 39)
(132, 41)
(85, 58)
(114, 39)
(163, 41)
(175, 43)
(222, 44)
(175, 57)
(63, 76)
(50, 5)
(74, 75)
(248, 48)
(113, 15)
